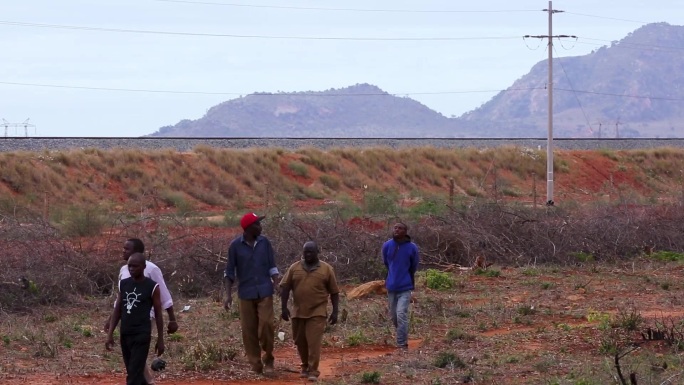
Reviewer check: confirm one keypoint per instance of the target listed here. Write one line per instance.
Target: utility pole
(549, 145)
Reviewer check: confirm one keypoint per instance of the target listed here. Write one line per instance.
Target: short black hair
(138, 245)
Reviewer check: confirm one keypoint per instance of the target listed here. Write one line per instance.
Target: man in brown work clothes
(312, 281)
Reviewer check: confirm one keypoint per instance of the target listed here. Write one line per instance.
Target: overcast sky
(73, 66)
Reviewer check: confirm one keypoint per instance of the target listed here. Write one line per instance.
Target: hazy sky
(72, 66)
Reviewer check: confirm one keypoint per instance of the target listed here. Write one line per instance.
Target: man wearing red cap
(252, 261)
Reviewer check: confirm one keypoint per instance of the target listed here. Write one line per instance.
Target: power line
(605, 17)
(635, 45)
(397, 94)
(200, 34)
(623, 95)
(627, 46)
(573, 91)
(263, 93)
(341, 9)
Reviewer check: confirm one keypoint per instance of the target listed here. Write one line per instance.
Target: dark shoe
(268, 369)
(313, 378)
(304, 374)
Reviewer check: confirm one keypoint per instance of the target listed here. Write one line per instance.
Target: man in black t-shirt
(137, 295)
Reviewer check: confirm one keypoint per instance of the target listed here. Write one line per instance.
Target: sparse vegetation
(186, 206)
(438, 280)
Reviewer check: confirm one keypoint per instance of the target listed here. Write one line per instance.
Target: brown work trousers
(308, 336)
(256, 320)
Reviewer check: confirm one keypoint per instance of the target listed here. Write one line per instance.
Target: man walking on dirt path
(135, 245)
(312, 281)
(138, 295)
(400, 256)
(251, 261)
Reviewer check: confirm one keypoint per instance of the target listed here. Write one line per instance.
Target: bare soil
(525, 326)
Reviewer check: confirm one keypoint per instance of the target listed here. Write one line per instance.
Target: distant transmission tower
(24, 124)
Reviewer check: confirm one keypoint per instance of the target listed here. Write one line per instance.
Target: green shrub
(80, 221)
(205, 356)
(357, 338)
(487, 273)
(438, 280)
(329, 181)
(427, 207)
(380, 203)
(583, 257)
(298, 168)
(178, 200)
(458, 334)
(370, 378)
(667, 256)
(445, 359)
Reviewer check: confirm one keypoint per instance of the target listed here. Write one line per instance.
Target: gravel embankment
(187, 144)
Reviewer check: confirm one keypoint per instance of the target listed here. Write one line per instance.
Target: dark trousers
(135, 348)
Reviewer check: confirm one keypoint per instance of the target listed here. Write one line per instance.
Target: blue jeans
(398, 306)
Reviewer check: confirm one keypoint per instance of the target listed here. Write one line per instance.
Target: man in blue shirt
(252, 261)
(400, 256)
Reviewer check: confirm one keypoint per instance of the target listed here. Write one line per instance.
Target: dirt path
(332, 361)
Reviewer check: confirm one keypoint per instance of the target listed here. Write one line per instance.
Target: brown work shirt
(310, 288)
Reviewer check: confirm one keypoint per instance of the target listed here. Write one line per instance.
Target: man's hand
(110, 343)
(285, 314)
(172, 327)
(159, 348)
(276, 287)
(333, 318)
(228, 303)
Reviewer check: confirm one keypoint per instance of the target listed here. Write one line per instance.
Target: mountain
(632, 88)
(362, 110)
(590, 92)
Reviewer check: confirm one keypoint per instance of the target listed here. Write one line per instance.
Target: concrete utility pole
(549, 146)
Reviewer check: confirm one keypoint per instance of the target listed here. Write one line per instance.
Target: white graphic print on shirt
(131, 299)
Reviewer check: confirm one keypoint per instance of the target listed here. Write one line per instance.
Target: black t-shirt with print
(136, 302)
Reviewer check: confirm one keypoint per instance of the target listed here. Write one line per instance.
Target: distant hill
(361, 110)
(647, 64)
(634, 88)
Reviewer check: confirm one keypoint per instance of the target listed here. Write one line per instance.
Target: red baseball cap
(249, 219)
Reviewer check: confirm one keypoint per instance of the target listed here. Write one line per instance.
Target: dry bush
(41, 267)
(193, 259)
(518, 235)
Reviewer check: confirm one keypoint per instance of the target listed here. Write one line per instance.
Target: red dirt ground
(332, 360)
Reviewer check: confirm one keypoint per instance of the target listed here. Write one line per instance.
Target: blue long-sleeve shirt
(253, 267)
(401, 260)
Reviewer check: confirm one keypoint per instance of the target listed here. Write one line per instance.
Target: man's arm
(122, 271)
(384, 254)
(172, 327)
(335, 299)
(415, 259)
(284, 297)
(272, 268)
(165, 297)
(113, 321)
(229, 276)
(334, 291)
(285, 287)
(159, 318)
